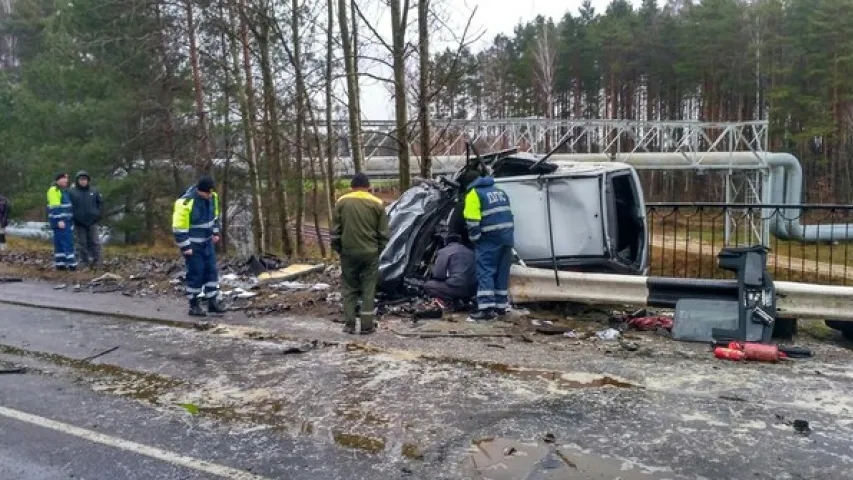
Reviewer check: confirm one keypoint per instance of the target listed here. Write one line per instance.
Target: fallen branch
(88, 359)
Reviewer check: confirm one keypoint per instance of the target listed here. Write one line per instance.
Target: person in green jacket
(359, 234)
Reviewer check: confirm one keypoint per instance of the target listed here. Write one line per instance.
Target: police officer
(195, 223)
(491, 228)
(59, 216)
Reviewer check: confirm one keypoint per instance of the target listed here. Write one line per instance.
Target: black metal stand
(756, 294)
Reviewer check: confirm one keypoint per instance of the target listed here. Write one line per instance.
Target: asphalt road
(338, 411)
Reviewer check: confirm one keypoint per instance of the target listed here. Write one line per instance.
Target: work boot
(213, 306)
(195, 309)
(481, 316)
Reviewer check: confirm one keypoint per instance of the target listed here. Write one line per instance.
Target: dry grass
(684, 263)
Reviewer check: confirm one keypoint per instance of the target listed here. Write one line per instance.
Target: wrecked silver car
(577, 216)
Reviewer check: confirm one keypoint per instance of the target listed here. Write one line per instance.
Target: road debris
(290, 273)
(801, 427)
(98, 355)
(608, 334)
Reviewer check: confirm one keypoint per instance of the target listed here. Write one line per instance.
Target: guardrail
(686, 237)
(794, 300)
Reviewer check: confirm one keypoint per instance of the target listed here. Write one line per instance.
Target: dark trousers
(441, 290)
(202, 275)
(493, 264)
(88, 244)
(63, 248)
(360, 274)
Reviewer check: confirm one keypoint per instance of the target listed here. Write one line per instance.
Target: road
(392, 408)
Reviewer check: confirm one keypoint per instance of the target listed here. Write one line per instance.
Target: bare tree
(349, 45)
(205, 160)
(246, 100)
(399, 21)
(423, 90)
(544, 68)
(330, 138)
(274, 154)
(300, 124)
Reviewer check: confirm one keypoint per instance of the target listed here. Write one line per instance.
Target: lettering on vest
(496, 196)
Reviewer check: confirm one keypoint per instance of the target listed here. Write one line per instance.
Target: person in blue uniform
(491, 227)
(195, 223)
(59, 216)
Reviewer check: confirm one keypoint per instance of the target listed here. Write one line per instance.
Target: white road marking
(138, 448)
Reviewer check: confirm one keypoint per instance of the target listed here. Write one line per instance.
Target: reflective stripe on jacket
(194, 219)
(58, 206)
(488, 212)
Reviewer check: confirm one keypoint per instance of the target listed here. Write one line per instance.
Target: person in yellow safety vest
(59, 216)
(195, 224)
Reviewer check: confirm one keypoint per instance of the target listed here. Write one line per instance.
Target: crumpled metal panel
(407, 216)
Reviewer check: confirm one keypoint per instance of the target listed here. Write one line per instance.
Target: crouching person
(195, 223)
(454, 277)
(359, 234)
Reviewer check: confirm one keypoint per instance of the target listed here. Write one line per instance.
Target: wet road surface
(173, 402)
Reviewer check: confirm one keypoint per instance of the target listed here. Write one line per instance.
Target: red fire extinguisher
(758, 352)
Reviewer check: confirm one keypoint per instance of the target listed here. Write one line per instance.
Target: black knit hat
(360, 180)
(59, 175)
(205, 184)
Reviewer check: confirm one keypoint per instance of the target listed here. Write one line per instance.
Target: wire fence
(808, 243)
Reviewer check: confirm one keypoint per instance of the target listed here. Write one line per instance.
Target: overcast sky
(492, 18)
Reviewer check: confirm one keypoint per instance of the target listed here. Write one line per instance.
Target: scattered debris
(629, 346)
(107, 277)
(301, 349)
(802, 427)
(608, 334)
(651, 323)
(203, 326)
(496, 345)
(97, 355)
(291, 272)
(11, 279)
(571, 334)
(61, 286)
(191, 408)
(549, 438)
(5, 371)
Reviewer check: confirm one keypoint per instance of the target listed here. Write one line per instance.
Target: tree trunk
(300, 124)
(204, 161)
(423, 89)
(351, 64)
(247, 114)
(330, 139)
(274, 155)
(398, 46)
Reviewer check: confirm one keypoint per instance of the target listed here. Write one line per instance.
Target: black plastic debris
(801, 427)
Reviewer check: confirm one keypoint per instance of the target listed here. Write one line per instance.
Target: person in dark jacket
(453, 273)
(359, 234)
(5, 213)
(59, 216)
(86, 204)
(195, 223)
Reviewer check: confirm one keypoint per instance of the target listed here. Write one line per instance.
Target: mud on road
(444, 407)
